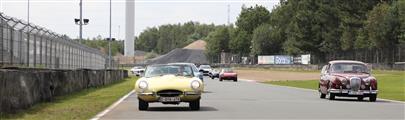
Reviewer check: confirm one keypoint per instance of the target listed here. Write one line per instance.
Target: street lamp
(80, 21)
(109, 42)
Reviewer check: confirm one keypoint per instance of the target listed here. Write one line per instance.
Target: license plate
(356, 93)
(169, 99)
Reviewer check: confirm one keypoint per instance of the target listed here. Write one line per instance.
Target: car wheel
(194, 105)
(235, 80)
(321, 95)
(331, 96)
(373, 98)
(143, 105)
(220, 79)
(360, 98)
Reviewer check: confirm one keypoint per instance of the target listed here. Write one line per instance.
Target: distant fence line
(28, 45)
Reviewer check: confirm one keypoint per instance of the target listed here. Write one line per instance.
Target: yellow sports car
(169, 84)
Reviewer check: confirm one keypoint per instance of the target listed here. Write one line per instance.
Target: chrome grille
(355, 83)
(169, 93)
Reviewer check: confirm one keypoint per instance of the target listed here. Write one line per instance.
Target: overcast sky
(58, 15)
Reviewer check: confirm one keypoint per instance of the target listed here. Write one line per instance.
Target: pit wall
(22, 88)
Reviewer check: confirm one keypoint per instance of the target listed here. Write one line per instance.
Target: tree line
(164, 38)
(117, 46)
(328, 29)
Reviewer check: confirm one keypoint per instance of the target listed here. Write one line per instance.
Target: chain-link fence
(28, 45)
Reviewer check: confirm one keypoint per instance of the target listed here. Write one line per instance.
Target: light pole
(109, 43)
(81, 21)
(28, 13)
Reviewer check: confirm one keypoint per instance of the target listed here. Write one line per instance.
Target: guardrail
(27, 45)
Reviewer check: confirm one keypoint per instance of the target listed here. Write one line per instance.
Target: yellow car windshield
(160, 70)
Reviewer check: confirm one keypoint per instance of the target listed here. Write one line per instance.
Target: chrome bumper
(154, 94)
(343, 91)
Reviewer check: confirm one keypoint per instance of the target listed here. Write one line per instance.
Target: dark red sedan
(228, 74)
(348, 79)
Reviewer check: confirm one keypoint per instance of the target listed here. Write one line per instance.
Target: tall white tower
(129, 28)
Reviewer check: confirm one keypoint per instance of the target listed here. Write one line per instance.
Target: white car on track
(137, 70)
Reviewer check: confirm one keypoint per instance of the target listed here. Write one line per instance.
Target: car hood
(350, 75)
(170, 82)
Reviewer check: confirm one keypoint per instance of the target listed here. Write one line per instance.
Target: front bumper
(184, 97)
(346, 92)
(229, 77)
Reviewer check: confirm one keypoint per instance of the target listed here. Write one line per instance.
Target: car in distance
(349, 79)
(228, 74)
(137, 70)
(195, 69)
(205, 69)
(169, 84)
(214, 74)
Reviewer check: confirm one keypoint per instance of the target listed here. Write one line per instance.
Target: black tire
(194, 105)
(220, 79)
(360, 98)
(331, 96)
(235, 80)
(143, 105)
(373, 98)
(321, 95)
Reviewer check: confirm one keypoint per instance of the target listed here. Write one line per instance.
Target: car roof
(346, 61)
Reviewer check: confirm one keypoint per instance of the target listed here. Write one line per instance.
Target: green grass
(391, 84)
(308, 84)
(80, 105)
(279, 69)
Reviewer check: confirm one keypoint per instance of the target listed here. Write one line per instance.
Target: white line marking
(101, 114)
(317, 91)
(247, 80)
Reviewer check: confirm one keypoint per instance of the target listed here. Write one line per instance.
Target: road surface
(250, 100)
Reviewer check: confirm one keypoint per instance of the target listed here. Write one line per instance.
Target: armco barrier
(22, 88)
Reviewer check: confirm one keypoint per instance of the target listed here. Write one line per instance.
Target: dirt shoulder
(274, 75)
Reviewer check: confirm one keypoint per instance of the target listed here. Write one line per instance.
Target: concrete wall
(22, 88)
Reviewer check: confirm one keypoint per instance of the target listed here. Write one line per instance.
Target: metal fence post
(28, 48)
(11, 46)
(2, 39)
(35, 50)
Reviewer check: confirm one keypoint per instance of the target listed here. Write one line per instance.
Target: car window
(349, 68)
(179, 70)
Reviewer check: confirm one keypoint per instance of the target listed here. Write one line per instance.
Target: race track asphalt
(250, 100)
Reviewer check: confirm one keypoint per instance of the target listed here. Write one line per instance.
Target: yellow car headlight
(195, 84)
(143, 85)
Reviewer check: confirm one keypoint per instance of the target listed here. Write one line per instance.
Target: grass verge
(80, 105)
(391, 84)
